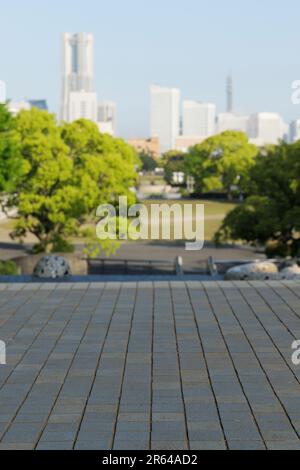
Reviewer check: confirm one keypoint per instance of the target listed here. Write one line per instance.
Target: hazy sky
(189, 44)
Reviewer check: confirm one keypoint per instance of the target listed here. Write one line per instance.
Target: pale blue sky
(190, 44)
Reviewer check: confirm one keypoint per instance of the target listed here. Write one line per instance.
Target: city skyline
(180, 125)
(174, 124)
(256, 52)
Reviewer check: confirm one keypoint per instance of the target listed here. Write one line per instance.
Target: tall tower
(78, 97)
(229, 94)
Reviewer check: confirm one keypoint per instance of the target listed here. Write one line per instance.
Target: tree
(222, 163)
(70, 170)
(10, 158)
(271, 215)
(148, 161)
(173, 162)
(105, 164)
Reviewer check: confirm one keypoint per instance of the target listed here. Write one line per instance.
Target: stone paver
(150, 365)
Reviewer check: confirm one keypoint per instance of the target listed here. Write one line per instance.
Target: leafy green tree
(222, 163)
(148, 161)
(70, 170)
(105, 166)
(10, 158)
(271, 215)
(173, 162)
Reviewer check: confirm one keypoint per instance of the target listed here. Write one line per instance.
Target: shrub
(8, 268)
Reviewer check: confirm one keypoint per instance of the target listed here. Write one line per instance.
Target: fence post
(212, 267)
(179, 266)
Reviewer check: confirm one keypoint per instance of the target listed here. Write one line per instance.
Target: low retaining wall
(26, 264)
(108, 278)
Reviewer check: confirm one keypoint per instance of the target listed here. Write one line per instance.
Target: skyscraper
(229, 94)
(165, 116)
(39, 104)
(107, 114)
(78, 96)
(25, 105)
(16, 106)
(232, 122)
(266, 128)
(2, 92)
(294, 131)
(198, 119)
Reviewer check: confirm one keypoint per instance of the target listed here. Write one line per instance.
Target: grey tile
(131, 445)
(22, 432)
(94, 445)
(283, 445)
(246, 445)
(207, 445)
(55, 445)
(169, 445)
(244, 330)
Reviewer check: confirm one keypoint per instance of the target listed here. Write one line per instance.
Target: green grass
(212, 208)
(211, 227)
(215, 212)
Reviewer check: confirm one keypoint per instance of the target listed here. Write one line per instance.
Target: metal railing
(108, 266)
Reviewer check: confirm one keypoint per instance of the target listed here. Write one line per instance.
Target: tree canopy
(221, 163)
(69, 170)
(271, 215)
(173, 162)
(148, 161)
(10, 158)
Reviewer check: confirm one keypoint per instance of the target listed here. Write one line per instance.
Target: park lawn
(212, 208)
(210, 229)
(215, 212)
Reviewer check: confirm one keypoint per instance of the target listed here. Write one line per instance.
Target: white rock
(272, 277)
(248, 271)
(295, 269)
(52, 267)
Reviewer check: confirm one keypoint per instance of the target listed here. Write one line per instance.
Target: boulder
(294, 269)
(272, 277)
(244, 272)
(52, 267)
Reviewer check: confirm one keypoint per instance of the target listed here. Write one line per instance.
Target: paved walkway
(160, 366)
